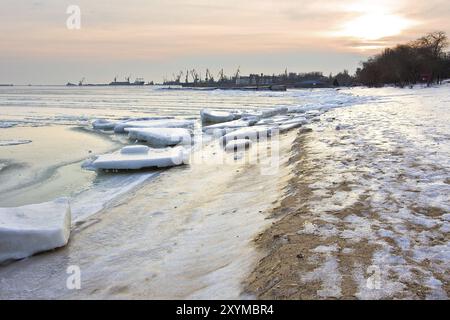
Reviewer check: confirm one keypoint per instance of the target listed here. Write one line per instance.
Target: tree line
(421, 61)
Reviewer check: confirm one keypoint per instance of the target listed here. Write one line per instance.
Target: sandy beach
(366, 213)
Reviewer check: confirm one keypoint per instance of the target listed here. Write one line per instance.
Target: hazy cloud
(170, 33)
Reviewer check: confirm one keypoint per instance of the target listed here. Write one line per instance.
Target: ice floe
(139, 157)
(296, 109)
(297, 119)
(216, 116)
(4, 143)
(243, 122)
(290, 126)
(30, 229)
(7, 124)
(159, 123)
(102, 124)
(273, 112)
(252, 133)
(161, 137)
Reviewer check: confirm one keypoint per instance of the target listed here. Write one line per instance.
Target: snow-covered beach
(189, 232)
(366, 214)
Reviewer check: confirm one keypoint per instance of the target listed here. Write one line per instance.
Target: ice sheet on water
(243, 122)
(109, 125)
(212, 116)
(159, 123)
(30, 229)
(160, 137)
(252, 133)
(7, 124)
(273, 112)
(102, 124)
(4, 143)
(290, 126)
(148, 158)
(106, 192)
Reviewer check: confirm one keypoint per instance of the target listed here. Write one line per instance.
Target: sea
(46, 134)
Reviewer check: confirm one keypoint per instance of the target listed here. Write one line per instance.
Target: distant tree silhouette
(343, 79)
(423, 60)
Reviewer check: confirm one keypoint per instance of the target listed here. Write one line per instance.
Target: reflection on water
(49, 166)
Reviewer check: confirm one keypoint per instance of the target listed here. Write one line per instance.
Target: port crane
(81, 82)
(221, 75)
(195, 76)
(178, 77)
(209, 77)
(238, 72)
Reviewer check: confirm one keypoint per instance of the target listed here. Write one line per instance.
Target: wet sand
(366, 212)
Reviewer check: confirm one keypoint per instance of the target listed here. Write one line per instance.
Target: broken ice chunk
(34, 228)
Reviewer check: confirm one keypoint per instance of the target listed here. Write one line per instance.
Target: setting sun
(375, 26)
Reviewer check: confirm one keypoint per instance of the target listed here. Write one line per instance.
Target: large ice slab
(139, 157)
(161, 137)
(301, 120)
(244, 122)
(216, 116)
(252, 133)
(273, 112)
(160, 123)
(289, 126)
(102, 124)
(7, 124)
(14, 142)
(297, 109)
(30, 229)
(313, 113)
(109, 125)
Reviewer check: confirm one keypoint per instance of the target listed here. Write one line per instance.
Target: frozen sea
(45, 134)
(188, 232)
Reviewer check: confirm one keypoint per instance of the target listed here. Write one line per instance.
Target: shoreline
(363, 216)
(365, 189)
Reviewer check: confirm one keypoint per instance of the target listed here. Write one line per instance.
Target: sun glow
(375, 26)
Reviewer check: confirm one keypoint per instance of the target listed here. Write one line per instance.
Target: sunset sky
(154, 38)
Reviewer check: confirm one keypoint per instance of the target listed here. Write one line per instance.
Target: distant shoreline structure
(127, 82)
(6, 85)
(254, 81)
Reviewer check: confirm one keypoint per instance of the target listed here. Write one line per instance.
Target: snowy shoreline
(367, 217)
(191, 227)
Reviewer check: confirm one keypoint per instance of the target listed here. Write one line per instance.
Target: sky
(155, 39)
